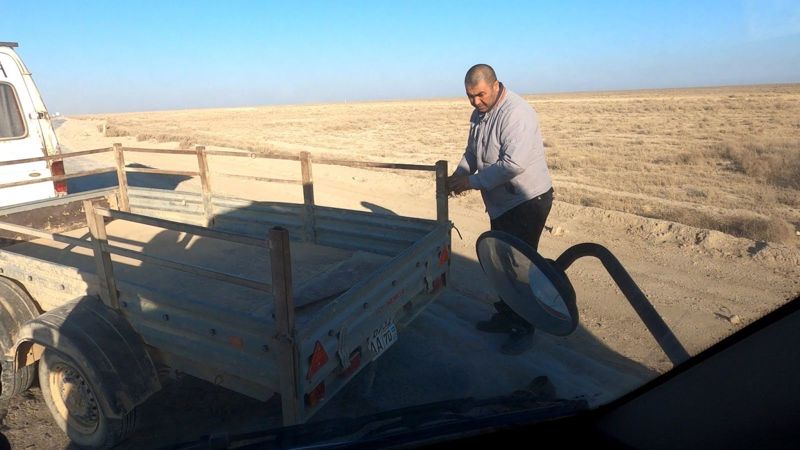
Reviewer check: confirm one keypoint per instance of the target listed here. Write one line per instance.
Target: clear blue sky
(146, 55)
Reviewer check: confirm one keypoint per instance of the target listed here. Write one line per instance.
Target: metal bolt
(165, 316)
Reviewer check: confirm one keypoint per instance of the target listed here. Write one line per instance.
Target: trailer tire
(71, 397)
(16, 308)
(16, 381)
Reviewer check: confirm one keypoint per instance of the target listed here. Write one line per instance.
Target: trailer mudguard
(104, 344)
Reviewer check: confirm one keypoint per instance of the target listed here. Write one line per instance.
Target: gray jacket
(505, 155)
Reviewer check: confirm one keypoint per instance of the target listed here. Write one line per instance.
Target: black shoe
(520, 340)
(499, 323)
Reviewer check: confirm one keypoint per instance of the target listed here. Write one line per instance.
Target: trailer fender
(102, 343)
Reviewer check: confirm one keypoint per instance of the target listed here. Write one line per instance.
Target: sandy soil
(705, 285)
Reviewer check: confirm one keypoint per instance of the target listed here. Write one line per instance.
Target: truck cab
(26, 132)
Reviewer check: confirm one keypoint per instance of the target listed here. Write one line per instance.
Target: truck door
(20, 138)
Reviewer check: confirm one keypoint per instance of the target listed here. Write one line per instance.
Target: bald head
(478, 73)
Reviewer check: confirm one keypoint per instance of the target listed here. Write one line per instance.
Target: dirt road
(704, 284)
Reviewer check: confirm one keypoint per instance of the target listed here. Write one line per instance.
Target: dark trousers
(525, 221)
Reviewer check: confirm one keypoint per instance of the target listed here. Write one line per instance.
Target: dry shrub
(185, 144)
(760, 228)
(556, 162)
(788, 198)
(746, 225)
(590, 201)
(696, 192)
(687, 158)
(113, 131)
(776, 162)
(750, 226)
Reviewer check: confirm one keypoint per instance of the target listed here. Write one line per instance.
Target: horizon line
(423, 99)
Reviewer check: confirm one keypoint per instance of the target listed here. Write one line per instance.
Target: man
(504, 159)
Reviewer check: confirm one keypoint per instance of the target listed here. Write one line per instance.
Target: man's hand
(458, 184)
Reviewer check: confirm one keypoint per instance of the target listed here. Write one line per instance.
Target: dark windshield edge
(788, 308)
(413, 424)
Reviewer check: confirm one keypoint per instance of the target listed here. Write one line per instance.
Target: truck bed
(311, 265)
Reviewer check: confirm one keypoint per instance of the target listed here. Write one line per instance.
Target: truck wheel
(16, 308)
(72, 399)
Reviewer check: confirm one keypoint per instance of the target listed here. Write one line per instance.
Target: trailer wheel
(15, 382)
(16, 308)
(72, 400)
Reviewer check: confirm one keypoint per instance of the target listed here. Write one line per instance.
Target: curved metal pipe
(655, 324)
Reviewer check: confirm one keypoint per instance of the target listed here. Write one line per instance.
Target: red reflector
(317, 360)
(444, 255)
(56, 169)
(317, 395)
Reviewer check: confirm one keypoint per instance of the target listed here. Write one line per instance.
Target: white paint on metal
(38, 138)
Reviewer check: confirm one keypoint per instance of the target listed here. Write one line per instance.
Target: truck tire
(71, 398)
(16, 308)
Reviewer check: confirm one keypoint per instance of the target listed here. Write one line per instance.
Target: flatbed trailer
(113, 290)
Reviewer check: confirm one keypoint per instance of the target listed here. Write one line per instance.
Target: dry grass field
(724, 158)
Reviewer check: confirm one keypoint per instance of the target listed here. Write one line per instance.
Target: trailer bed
(261, 297)
(311, 265)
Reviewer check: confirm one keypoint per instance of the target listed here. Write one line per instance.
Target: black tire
(16, 381)
(16, 308)
(72, 400)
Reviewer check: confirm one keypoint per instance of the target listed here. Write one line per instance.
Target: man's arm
(518, 142)
(468, 164)
(459, 181)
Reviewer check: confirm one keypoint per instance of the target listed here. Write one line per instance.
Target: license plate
(382, 338)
